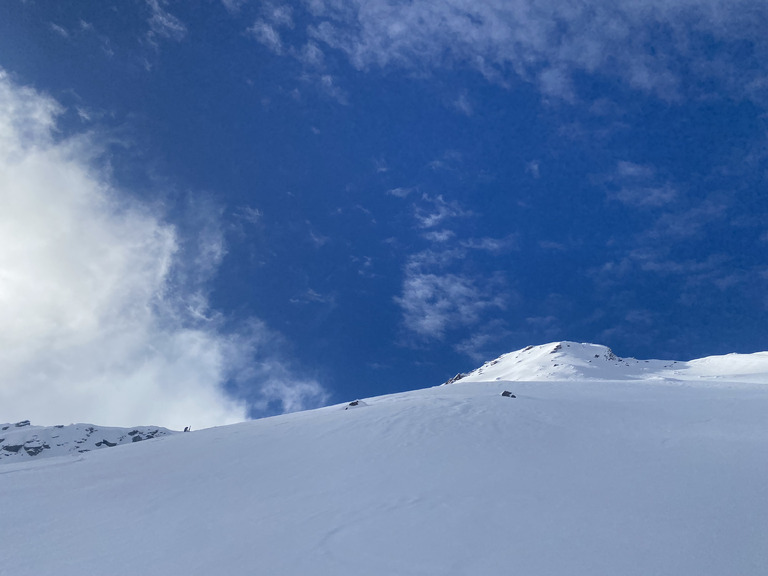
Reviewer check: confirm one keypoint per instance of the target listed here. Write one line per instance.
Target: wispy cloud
(494, 245)
(249, 214)
(104, 303)
(279, 14)
(233, 6)
(318, 240)
(433, 304)
(311, 296)
(311, 56)
(331, 89)
(439, 293)
(60, 30)
(164, 24)
(434, 210)
(639, 185)
(653, 46)
(438, 236)
(267, 35)
(689, 221)
(437, 297)
(462, 104)
(400, 192)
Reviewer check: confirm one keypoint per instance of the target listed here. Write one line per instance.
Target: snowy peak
(583, 361)
(22, 441)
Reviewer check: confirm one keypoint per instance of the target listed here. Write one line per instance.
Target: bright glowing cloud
(94, 325)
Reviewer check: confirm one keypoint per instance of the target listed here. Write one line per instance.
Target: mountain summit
(581, 361)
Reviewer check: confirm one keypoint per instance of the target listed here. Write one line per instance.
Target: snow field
(598, 478)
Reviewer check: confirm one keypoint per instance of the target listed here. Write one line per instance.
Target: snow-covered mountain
(575, 361)
(22, 441)
(572, 476)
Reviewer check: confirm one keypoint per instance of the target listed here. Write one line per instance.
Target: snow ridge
(22, 441)
(571, 361)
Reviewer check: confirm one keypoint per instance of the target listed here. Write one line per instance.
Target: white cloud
(639, 185)
(435, 210)
(439, 236)
(331, 89)
(163, 23)
(267, 35)
(434, 301)
(60, 30)
(627, 169)
(233, 6)
(647, 195)
(463, 105)
(265, 30)
(249, 214)
(400, 192)
(495, 245)
(437, 295)
(279, 15)
(311, 56)
(103, 307)
(651, 45)
(691, 222)
(433, 304)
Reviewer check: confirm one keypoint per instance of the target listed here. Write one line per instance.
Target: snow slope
(621, 477)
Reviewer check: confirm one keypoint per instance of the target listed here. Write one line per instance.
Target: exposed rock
(34, 450)
(106, 443)
(22, 441)
(355, 404)
(456, 378)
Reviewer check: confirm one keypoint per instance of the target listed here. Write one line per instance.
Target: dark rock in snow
(33, 450)
(355, 404)
(508, 394)
(456, 378)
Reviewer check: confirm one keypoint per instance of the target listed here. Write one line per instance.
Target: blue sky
(238, 208)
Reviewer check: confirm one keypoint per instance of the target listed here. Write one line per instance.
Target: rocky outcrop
(22, 440)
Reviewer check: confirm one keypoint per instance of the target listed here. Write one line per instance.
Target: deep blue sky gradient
(608, 211)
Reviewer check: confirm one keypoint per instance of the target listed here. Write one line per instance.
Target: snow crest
(569, 361)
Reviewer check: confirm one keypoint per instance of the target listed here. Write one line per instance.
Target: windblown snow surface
(649, 473)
